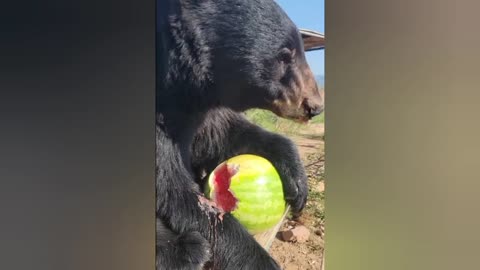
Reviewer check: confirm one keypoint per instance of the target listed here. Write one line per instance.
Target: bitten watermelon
(250, 188)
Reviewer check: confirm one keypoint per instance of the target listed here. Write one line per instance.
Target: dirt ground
(307, 255)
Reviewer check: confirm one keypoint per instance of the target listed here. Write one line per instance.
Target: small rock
(301, 233)
(321, 186)
(298, 234)
(318, 232)
(288, 236)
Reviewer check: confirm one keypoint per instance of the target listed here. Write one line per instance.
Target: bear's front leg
(228, 133)
(283, 154)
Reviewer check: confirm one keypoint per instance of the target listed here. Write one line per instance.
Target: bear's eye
(286, 55)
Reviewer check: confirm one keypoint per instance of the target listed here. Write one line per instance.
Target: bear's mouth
(299, 115)
(302, 119)
(302, 113)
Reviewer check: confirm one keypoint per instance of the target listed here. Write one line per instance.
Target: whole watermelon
(250, 188)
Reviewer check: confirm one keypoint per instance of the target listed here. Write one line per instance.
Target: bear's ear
(286, 55)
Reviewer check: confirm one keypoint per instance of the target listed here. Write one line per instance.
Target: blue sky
(308, 14)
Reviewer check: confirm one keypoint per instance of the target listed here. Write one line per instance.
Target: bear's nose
(315, 110)
(312, 109)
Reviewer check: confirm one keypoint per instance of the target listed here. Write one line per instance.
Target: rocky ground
(300, 243)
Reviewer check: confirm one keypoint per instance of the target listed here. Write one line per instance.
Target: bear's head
(236, 53)
(258, 60)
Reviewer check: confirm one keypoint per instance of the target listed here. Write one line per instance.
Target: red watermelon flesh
(222, 195)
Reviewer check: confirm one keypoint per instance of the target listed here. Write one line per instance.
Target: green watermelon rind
(249, 194)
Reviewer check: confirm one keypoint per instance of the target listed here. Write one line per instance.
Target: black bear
(215, 59)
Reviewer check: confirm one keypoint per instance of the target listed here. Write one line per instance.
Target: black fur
(181, 252)
(214, 59)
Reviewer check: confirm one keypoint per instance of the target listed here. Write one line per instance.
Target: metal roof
(312, 40)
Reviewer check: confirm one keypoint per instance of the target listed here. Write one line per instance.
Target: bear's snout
(312, 100)
(304, 100)
(312, 107)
